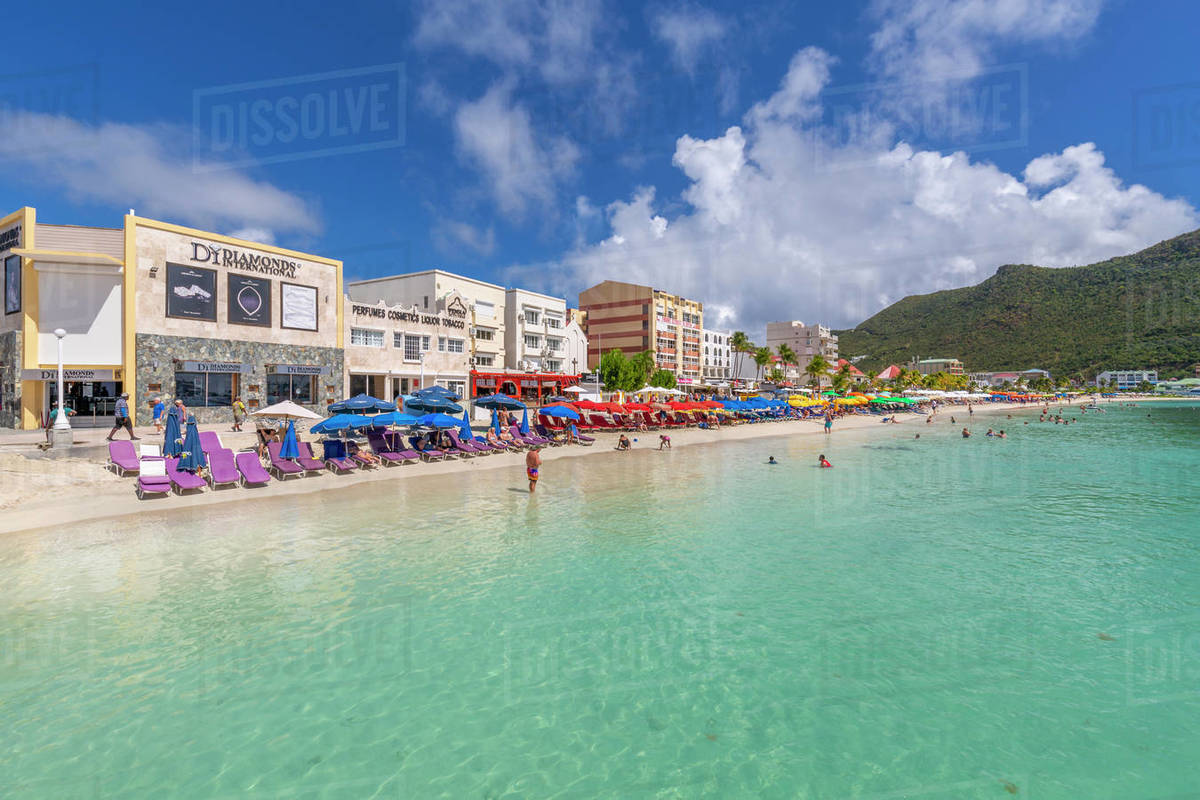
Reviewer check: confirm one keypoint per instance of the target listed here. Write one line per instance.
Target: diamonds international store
(159, 310)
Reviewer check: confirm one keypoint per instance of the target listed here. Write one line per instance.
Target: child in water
(823, 462)
(771, 460)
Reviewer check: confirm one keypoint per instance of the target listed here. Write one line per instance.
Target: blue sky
(702, 148)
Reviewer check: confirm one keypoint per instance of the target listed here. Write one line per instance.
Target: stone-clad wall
(10, 379)
(157, 354)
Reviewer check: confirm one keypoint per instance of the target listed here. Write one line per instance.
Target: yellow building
(157, 309)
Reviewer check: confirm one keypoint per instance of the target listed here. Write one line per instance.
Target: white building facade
(1127, 379)
(716, 357)
(577, 346)
(535, 332)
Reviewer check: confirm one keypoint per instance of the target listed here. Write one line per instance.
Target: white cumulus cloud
(688, 32)
(518, 165)
(784, 222)
(145, 167)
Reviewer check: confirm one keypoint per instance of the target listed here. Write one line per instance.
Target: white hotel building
(716, 357)
(535, 332)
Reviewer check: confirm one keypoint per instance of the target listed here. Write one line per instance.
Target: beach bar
(160, 310)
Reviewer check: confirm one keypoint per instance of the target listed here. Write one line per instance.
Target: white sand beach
(38, 491)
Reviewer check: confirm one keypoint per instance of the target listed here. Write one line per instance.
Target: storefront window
(297, 388)
(204, 388)
(412, 347)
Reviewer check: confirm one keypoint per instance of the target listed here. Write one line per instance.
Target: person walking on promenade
(239, 413)
(157, 409)
(122, 418)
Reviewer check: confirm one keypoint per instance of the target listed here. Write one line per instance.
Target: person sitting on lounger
(493, 439)
(623, 442)
(365, 456)
(506, 435)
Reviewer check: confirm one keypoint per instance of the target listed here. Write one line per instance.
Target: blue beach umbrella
(464, 429)
(433, 405)
(171, 444)
(341, 422)
(524, 422)
(438, 421)
(436, 391)
(392, 418)
(496, 422)
(560, 411)
(499, 401)
(290, 447)
(193, 458)
(361, 402)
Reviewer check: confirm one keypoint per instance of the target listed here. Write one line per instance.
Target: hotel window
(554, 344)
(366, 337)
(205, 388)
(553, 366)
(553, 322)
(531, 317)
(412, 347)
(297, 388)
(533, 341)
(425, 343)
(455, 346)
(485, 361)
(484, 334)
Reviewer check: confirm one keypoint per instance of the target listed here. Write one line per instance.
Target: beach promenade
(40, 490)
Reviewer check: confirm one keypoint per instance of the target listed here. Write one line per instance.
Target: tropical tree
(663, 379)
(762, 357)
(817, 369)
(787, 356)
(840, 382)
(740, 343)
(618, 373)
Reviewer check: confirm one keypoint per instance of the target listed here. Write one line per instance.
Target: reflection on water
(924, 619)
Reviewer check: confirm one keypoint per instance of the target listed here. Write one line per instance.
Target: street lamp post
(60, 433)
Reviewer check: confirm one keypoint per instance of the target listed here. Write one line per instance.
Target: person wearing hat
(122, 418)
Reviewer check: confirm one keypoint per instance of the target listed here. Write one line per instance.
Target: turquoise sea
(932, 618)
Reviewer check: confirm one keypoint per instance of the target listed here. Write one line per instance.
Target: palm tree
(787, 356)
(762, 357)
(740, 343)
(817, 368)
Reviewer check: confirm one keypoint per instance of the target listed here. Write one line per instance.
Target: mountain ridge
(1135, 311)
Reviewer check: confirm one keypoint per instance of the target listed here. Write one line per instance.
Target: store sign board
(203, 253)
(68, 375)
(299, 369)
(226, 367)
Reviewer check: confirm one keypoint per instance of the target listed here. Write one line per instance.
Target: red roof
(889, 374)
(853, 369)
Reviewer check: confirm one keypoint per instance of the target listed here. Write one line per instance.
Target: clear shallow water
(923, 620)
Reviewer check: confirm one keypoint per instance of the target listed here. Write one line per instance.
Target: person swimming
(1001, 435)
(990, 432)
(966, 434)
(771, 460)
(823, 462)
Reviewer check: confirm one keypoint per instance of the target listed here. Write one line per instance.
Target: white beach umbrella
(288, 410)
(575, 389)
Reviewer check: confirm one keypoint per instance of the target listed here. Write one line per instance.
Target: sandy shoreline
(61, 491)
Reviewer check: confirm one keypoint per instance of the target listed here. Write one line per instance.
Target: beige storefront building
(393, 350)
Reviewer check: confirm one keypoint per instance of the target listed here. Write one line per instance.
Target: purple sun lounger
(468, 446)
(429, 454)
(181, 480)
(336, 459)
(527, 439)
(123, 458)
(388, 454)
(153, 479)
(251, 468)
(209, 442)
(222, 469)
(282, 467)
(306, 459)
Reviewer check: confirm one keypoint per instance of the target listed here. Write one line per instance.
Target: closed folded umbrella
(192, 458)
(464, 429)
(524, 422)
(173, 438)
(290, 448)
(496, 422)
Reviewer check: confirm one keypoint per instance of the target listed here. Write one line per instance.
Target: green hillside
(1140, 310)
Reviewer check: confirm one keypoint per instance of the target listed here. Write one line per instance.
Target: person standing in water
(533, 463)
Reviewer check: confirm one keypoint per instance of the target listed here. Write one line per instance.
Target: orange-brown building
(632, 318)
